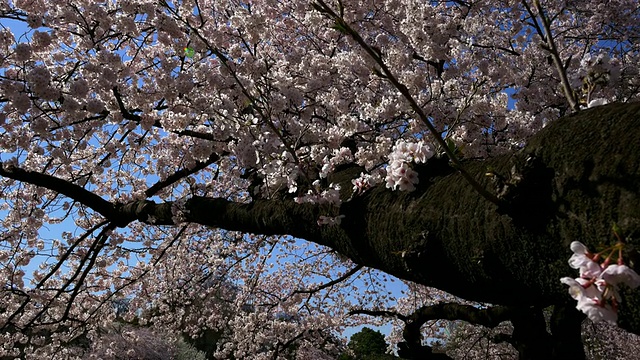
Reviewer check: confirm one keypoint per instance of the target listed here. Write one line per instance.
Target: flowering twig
(596, 290)
(376, 56)
(550, 46)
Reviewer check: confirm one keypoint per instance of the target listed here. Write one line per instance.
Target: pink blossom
(597, 312)
(620, 274)
(579, 260)
(103, 97)
(23, 52)
(590, 299)
(79, 88)
(94, 106)
(596, 290)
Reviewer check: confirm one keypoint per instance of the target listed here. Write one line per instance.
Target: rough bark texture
(580, 174)
(573, 180)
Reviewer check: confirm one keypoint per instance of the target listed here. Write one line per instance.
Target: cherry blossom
(620, 274)
(582, 261)
(163, 109)
(399, 173)
(590, 300)
(596, 290)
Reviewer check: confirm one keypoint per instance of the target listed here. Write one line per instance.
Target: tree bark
(573, 180)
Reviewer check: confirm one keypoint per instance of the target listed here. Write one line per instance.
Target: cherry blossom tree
(169, 152)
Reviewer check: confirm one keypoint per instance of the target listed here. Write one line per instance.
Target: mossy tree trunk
(573, 180)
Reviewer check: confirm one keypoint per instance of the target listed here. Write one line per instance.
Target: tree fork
(447, 236)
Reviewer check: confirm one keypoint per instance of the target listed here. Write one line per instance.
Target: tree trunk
(572, 181)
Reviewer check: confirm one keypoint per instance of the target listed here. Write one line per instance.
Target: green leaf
(451, 145)
(338, 26)
(616, 230)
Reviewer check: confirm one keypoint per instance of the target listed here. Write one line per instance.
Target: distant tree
(123, 341)
(367, 344)
(186, 351)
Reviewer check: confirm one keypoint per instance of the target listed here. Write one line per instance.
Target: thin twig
(332, 282)
(550, 46)
(376, 55)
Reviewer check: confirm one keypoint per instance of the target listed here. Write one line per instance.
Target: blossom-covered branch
(186, 166)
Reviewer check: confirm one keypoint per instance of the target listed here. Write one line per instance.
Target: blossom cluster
(329, 220)
(340, 156)
(595, 75)
(399, 174)
(366, 181)
(596, 289)
(319, 196)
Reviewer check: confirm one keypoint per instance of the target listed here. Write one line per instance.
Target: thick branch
(586, 175)
(489, 317)
(73, 191)
(267, 217)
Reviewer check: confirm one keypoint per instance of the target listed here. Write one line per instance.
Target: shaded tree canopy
(169, 152)
(367, 343)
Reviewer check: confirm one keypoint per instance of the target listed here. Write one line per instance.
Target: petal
(579, 292)
(579, 248)
(597, 313)
(576, 261)
(617, 274)
(587, 267)
(575, 289)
